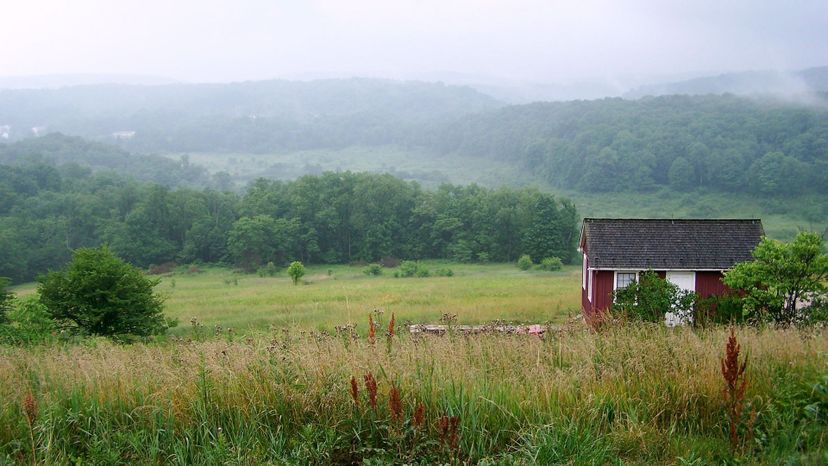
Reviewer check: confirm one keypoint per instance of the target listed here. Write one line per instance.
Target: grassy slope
(477, 294)
(424, 167)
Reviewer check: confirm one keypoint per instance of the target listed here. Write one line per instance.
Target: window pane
(624, 279)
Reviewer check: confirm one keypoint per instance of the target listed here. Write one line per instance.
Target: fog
(607, 43)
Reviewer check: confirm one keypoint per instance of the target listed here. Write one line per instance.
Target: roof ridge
(663, 219)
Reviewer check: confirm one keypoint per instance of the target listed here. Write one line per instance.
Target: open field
(425, 167)
(476, 294)
(628, 395)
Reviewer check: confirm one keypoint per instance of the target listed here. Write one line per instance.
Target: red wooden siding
(710, 283)
(586, 306)
(602, 289)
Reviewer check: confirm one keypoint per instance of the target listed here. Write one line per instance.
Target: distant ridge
(766, 82)
(57, 81)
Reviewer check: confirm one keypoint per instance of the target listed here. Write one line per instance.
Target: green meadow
(337, 295)
(333, 295)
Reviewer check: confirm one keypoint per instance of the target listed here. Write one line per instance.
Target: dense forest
(723, 143)
(47, 211)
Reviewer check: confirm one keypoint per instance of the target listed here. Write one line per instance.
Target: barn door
(685, 281)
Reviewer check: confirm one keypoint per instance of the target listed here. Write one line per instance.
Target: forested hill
(244, 117)
(57, 149)
(720, 143)
(724, 143)
(794, 83)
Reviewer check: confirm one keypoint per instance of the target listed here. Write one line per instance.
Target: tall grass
(634, 394)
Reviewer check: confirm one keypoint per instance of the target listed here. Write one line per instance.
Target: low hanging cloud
(529, 40)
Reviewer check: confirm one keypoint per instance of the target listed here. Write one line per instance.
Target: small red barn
(693, 254)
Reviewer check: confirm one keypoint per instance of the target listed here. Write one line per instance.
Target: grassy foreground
(476, 294)
(627, 395)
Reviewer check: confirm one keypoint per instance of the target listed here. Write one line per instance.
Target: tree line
(46, 212)
(720, 143)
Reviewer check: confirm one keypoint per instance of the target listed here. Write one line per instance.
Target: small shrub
(373, 270)
(29, 323)
(551, 264)
(412, 269)
(408, 268)
(483, 257)
(269, 270)
(444, 272)
(296, 270)
(524, 262)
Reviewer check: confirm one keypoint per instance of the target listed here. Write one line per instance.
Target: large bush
(651, 297)
(781, 278)
(100, 294)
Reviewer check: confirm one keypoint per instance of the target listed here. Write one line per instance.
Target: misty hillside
(808, 81)
(249, 116)
(60, 150)
(725, 143)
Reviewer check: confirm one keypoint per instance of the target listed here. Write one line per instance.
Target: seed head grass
(639, 392)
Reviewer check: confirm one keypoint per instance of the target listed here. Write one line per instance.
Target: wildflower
(371, 388)
(354, 390)
(391, 326)
(448, 431)
(395, 404)
(30, 408)
(419, 415)
(735, 385)
(372, 332)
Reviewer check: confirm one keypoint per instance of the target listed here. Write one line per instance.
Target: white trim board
(625, 269)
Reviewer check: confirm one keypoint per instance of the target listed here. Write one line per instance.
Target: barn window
(623, 279)
(584, 280)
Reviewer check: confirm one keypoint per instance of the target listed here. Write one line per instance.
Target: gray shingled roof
(658, 244)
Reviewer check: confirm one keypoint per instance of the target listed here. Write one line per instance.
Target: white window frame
(584, 273)
(617, 272)
(589, 285)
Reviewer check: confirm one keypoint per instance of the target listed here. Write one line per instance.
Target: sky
(525, 40)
